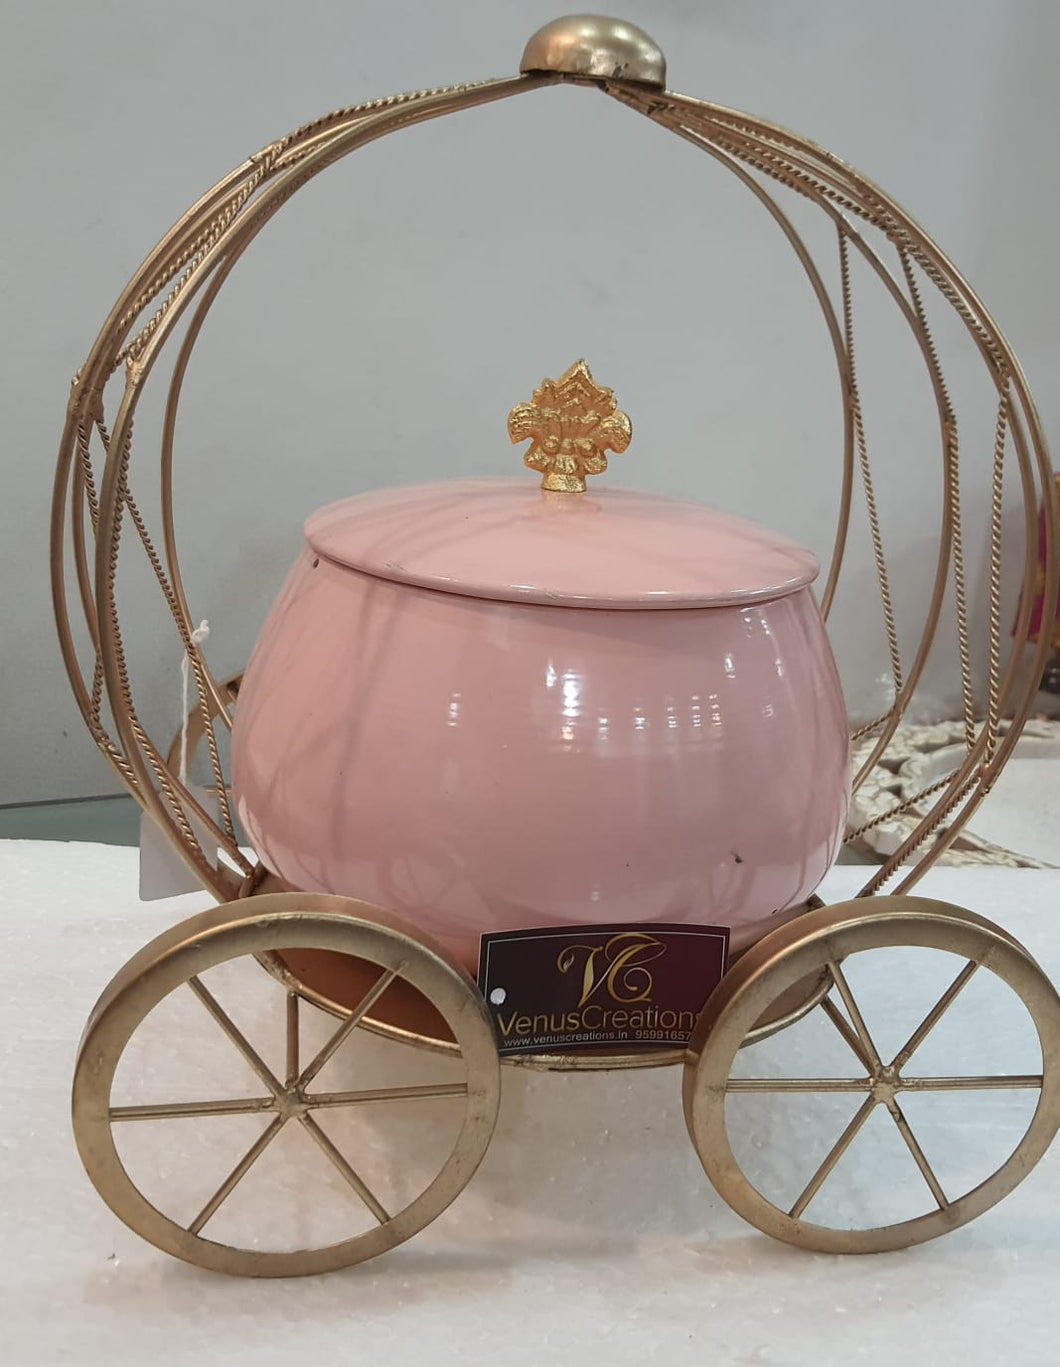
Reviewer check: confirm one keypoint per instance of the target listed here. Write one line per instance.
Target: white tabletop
(589, 1234)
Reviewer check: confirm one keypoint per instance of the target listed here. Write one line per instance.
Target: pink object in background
(488, 707)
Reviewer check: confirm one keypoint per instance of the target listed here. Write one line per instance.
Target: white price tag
(163, 873)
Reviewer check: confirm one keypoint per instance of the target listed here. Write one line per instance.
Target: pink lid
(609, 548)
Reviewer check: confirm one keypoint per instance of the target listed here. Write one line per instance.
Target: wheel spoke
(840, 1147)
(1001, 1081)
(176, 1110)
(933, 1017)
(871, 1052)
(798, 1084)
(236, 1036)
(237, 1174)
(918, 1154)
(356, 1182)
(437, 1089)
(292, 1037)
(348, 1026)
(843, 1026)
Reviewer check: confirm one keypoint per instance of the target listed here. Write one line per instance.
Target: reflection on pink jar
(488, 707)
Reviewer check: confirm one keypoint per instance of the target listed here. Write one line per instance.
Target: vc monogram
(617, 965)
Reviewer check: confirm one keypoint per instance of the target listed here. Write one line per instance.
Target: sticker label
(560, 989)
(162, 871)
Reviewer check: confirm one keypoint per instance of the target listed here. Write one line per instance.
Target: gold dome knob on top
(573, 421)
(596, 46)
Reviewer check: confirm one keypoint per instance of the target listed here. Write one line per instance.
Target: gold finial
(573, 421)
(596, 47)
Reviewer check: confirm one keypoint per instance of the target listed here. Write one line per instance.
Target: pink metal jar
(489, 706)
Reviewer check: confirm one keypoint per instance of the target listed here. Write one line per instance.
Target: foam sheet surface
(590, 1233)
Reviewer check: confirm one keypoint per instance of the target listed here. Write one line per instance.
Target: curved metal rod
(970, 783)
(82, 409)
(857, 191)
(68, 646)
(79, 500)
(288, 182)
(169, 538)
(130, 732)
(991, 765)
(176, 247)
(1002, 362)
(174, 250)
(834, 332)
(905, 693)
(153, 274)
(993, 347)
(1020, 631)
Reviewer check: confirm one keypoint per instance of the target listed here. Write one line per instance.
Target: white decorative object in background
(1018, 825)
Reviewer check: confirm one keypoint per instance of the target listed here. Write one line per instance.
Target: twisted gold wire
(899, 808)
(191, 258)
(867, 728)
(953, 494)
(996, 497)
(854, 400)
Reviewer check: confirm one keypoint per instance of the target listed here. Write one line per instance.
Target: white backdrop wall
(384, 323)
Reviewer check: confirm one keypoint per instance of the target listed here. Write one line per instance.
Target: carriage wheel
(841, 940)
(175, 963)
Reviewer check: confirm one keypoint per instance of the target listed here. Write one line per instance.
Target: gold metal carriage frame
(795, 968)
